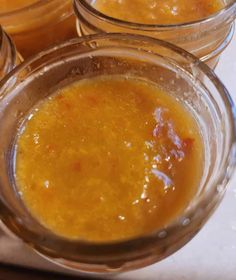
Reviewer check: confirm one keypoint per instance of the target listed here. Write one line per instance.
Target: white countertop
(211, 255)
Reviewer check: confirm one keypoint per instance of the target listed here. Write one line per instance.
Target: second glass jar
(39, 25)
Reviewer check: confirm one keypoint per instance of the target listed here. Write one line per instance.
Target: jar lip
(51, 241)
(30, 7)
(149, 27)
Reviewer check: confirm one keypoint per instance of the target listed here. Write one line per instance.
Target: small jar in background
(8, 55)
(39, 25)
(205, 38)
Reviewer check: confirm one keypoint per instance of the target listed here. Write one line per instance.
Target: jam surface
(158, 11)
(108, 158)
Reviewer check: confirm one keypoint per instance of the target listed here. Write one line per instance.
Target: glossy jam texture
(108, 158)
(158, 11)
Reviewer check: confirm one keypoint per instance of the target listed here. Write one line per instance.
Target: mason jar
(205, 38)
(136, 56)
(39, 25)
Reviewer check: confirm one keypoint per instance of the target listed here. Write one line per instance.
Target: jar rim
(49, 243)
(148, 27)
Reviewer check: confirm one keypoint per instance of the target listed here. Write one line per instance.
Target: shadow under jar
(38, 25)
(8, 55)
(197, 88)
(205, 38)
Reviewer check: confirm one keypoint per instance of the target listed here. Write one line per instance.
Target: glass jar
(39, 25)
(205, 38)
(9, 58)
(8, 55)
(197, 87)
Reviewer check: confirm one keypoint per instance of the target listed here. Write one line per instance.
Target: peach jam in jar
(35, 25)
(202, 27)
(114, 153)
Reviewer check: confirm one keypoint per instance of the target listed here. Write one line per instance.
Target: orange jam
(108, 158)
(12, 5)
(158, 11)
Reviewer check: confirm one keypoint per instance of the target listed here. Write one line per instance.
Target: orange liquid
(107, 159)
(158, 11)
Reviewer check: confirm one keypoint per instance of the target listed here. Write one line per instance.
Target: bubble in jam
(108, 158)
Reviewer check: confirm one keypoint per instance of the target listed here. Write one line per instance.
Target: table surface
(210, 255)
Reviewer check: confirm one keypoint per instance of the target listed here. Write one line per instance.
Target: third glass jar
(205, 38)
